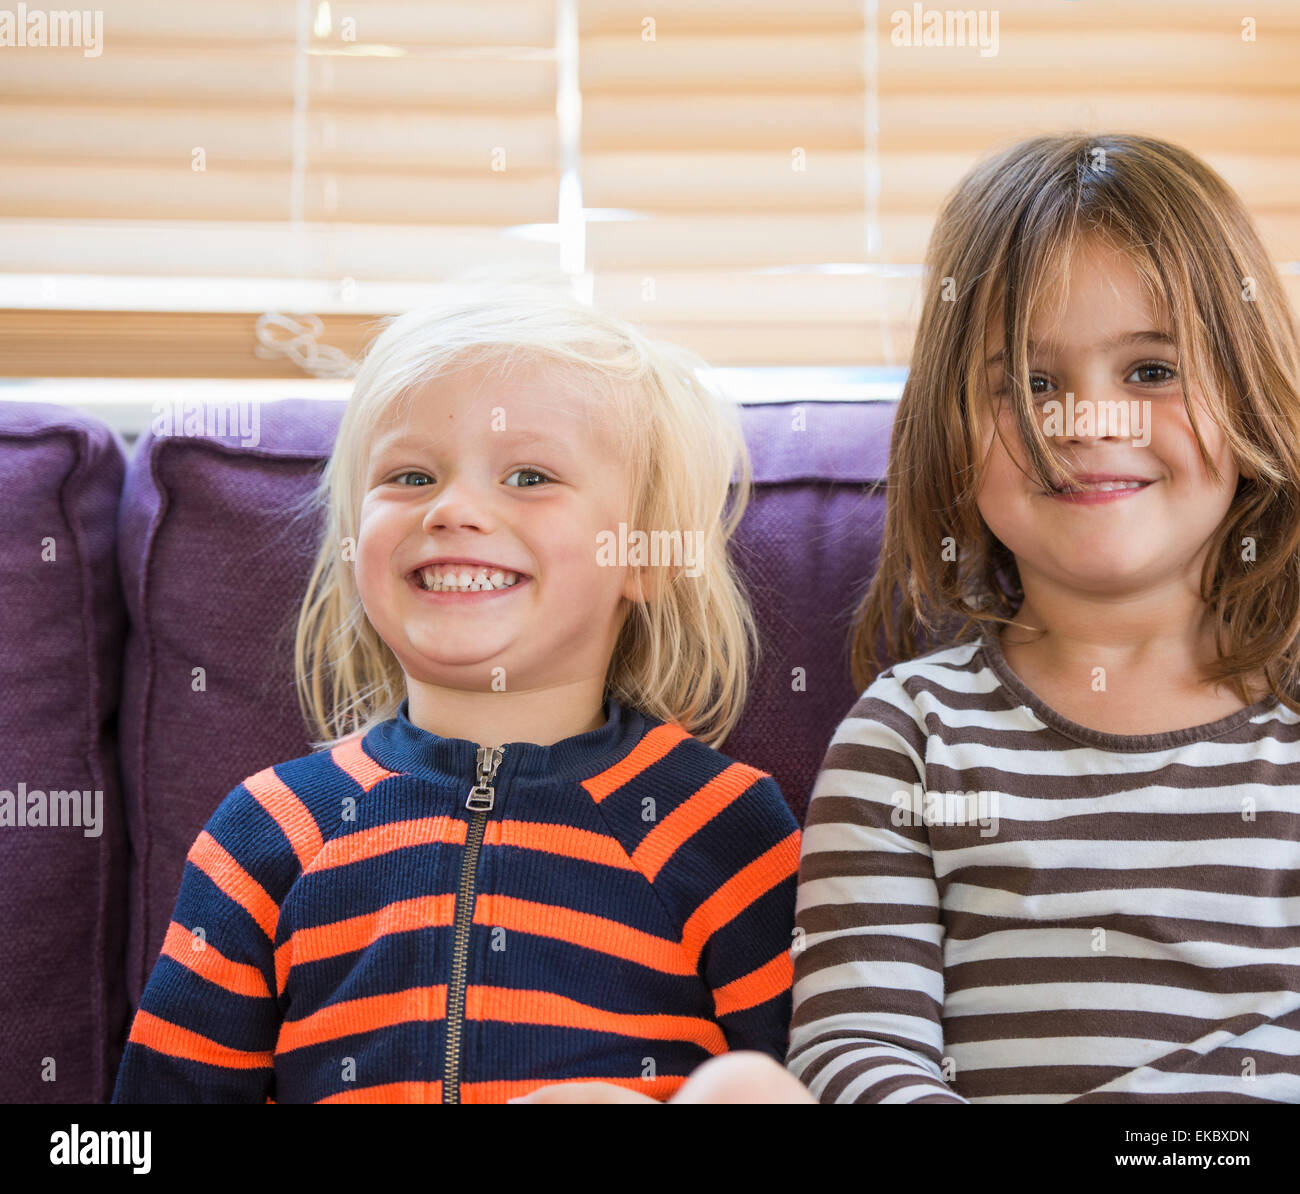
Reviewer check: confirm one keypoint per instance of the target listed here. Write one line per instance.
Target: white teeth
(1106, 486)
(442, 578)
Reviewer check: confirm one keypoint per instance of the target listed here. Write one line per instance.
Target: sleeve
(743, 922)
(868, 959)
(208, 1019)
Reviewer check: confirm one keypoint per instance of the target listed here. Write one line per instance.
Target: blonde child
(1059, 861)
(515, 858)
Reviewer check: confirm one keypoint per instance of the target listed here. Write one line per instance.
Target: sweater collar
(400, 745)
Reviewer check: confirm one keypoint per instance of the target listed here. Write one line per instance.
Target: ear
(643, 584)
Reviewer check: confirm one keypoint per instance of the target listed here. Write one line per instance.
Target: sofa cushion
(214, 565)
(63, 860)
(807, 549)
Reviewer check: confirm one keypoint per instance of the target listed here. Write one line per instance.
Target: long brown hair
(998, 251)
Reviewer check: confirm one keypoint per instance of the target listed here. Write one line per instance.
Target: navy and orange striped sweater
(406, 918)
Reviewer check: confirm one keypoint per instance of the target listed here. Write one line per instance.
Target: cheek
(996, 438)
(567, 545)
(574, 559)
(1001, 476)
(567, 536)
(1174, 443)
(995, 502)
(374, 549)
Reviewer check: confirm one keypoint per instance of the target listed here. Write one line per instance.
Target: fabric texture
(626, 916)
(63, 854)
(997, 904)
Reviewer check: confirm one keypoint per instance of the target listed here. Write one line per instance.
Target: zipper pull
(482, 793)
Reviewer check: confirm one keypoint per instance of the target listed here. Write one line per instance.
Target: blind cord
(284, 336)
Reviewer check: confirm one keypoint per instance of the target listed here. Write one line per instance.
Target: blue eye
(527, 472)
(400, 476)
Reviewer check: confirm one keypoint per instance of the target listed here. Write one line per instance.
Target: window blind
(758, 177)
(374, 139)
(771, 171)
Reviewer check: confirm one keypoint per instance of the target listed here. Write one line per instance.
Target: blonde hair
(683, 654)
(1001, 247)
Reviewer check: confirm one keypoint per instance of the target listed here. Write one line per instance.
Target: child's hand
(742, 1076)
(745, 1076)
(583, 1092)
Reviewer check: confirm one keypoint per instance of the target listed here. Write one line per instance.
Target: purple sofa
(147, 610)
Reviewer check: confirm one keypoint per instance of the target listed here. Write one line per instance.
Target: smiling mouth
(1100, 487)
(464, 578)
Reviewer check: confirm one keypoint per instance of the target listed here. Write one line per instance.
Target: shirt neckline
(1021, 694)
(400, 745)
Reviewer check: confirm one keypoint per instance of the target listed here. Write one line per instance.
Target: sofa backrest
(63, 853)
(213, 562)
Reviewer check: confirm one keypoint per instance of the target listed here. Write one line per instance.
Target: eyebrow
(1148, 337)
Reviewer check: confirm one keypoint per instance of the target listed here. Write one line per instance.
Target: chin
(1116, 578)
(439, 664)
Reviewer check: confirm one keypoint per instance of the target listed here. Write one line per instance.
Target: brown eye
(1154, 367)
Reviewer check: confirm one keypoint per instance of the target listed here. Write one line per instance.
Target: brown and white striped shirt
(997, 904)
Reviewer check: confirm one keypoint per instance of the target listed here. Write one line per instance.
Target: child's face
(491, 481)
(1106, 543)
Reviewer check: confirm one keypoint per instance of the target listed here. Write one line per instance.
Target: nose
(456, 506)
(1096, 411)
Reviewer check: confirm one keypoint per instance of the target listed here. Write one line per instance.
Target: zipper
(479, 801)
